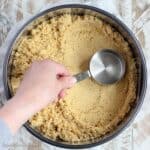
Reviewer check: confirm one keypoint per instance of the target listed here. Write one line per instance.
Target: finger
(62, 93)
(67, 81)
(60, 69)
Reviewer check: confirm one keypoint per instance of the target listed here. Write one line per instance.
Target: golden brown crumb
(89, 110)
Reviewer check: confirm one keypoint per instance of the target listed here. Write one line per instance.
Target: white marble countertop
(136, 14)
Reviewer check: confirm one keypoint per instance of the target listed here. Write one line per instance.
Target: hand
(43, 83)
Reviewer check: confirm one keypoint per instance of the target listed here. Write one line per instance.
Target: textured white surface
(136, 14)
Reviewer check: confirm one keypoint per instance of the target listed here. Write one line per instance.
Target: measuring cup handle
(83, 75)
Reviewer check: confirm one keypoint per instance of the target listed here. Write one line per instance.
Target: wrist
(14, 114)
(8, 114)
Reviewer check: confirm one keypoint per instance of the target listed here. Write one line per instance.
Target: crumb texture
(89, 110)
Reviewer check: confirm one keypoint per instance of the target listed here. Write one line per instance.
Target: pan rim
(143, 79)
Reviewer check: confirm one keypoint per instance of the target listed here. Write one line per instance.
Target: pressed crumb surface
(89, 110)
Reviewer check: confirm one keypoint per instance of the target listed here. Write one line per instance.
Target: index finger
(61, 69)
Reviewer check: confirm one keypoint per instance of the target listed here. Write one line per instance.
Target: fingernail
(73, 80)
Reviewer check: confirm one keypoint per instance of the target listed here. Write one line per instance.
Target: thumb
(67, 81)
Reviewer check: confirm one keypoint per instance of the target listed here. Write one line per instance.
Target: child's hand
(44, 82)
